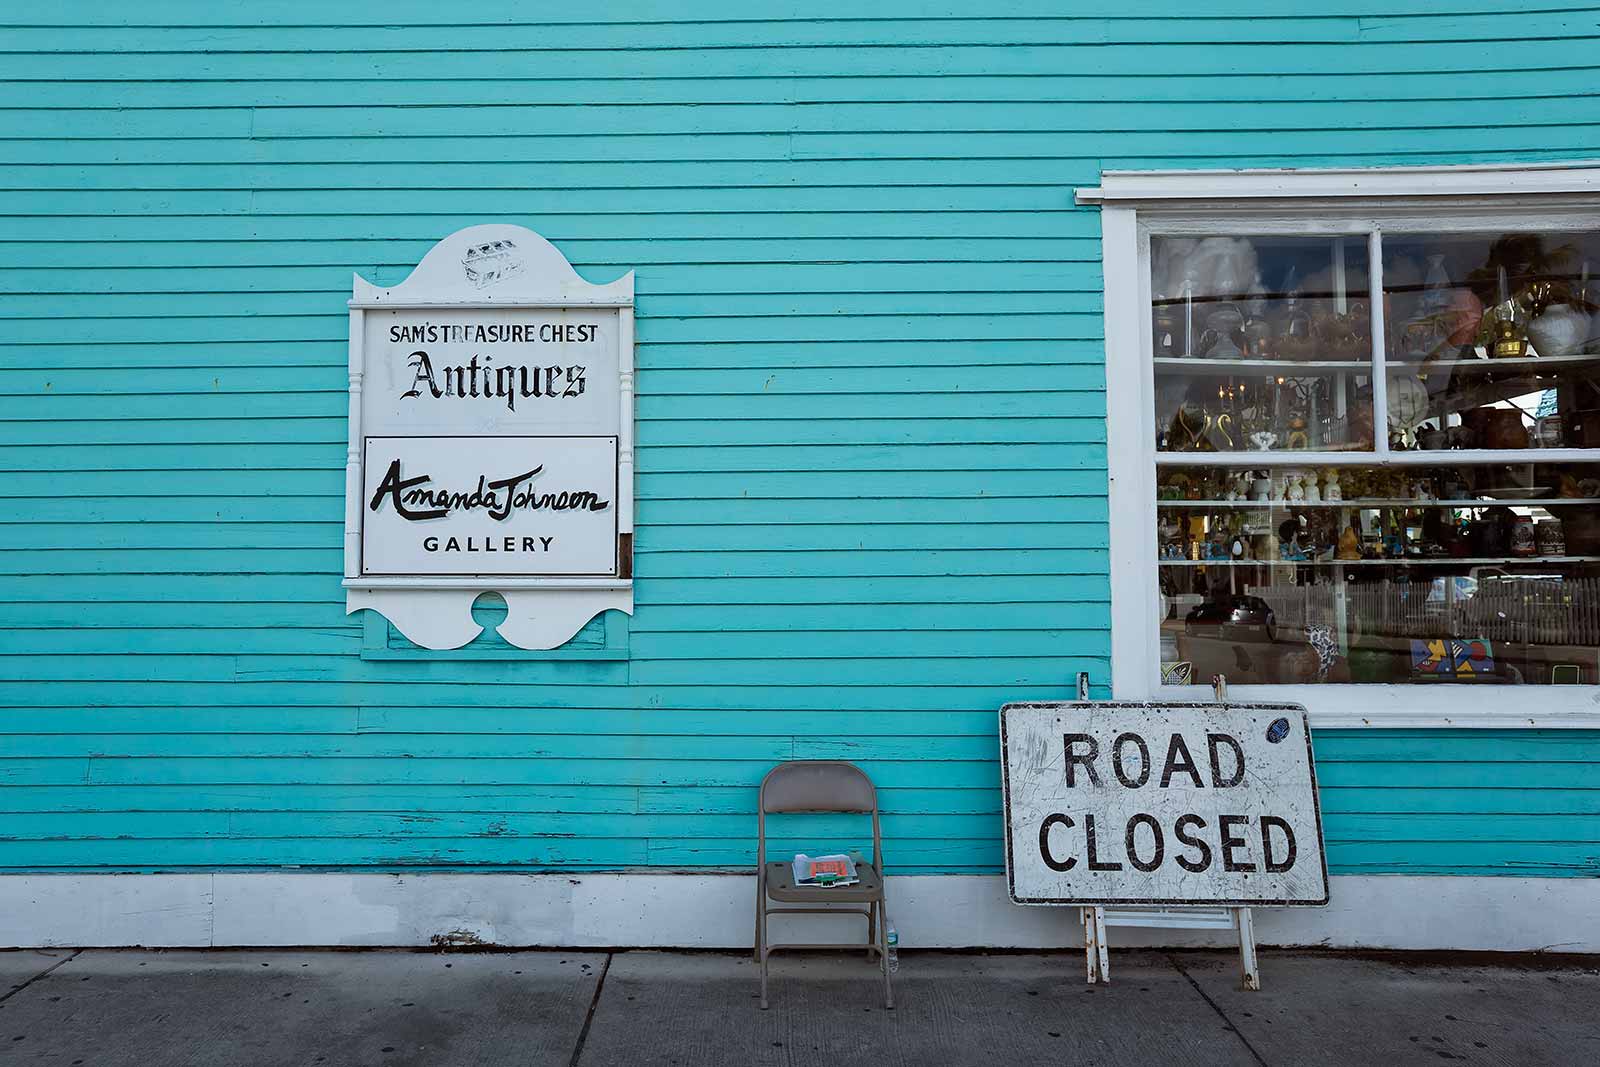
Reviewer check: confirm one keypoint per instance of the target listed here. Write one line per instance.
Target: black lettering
(510, 486)
(430, 544)
(1144, 760)
(1179, 830)
(1212, 741)
(1231, 841)
(424, 375)
(1276, 866)
(1089, 846)
(1070, 741)
(1133, 852)
(1044, 843)
(393, 487)
(1173, 764)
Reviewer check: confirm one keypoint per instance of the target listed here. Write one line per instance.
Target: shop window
(1371, 456)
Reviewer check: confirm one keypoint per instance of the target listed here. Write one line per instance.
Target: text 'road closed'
(1203, 804)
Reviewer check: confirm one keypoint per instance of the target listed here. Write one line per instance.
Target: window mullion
(1380, 356)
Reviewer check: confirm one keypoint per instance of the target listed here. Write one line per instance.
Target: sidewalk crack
(1218, 1009)
(588, 1019)
(59, 963)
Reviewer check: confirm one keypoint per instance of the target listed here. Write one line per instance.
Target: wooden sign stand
(1096, 917)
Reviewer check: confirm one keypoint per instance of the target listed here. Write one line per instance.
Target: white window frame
(1402, 199)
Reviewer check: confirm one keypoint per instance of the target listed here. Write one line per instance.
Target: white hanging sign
(1169, 804)
(491, 442)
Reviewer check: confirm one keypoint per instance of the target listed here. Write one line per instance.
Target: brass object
(1193, 423)
(1298, 436)
(1347, 336)
(1508, 339)
(1223, 422)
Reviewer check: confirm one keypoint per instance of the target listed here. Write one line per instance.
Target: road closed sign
(1127, 803)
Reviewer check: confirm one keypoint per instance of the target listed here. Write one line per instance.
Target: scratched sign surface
(1132, 803)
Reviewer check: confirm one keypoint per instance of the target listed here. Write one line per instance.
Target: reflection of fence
(1537, 611)
(1296, 605)
(1541, 611)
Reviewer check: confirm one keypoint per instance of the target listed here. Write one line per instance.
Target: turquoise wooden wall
(871, 419)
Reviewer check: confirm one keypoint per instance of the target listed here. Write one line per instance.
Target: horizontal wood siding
(872, 470)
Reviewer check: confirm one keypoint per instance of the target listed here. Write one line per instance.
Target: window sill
(1442, 706)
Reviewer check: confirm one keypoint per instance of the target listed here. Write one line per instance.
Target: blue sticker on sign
(1278, 730)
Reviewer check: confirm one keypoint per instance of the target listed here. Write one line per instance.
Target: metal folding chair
(820, 786)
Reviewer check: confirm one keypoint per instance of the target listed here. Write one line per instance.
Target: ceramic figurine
(1330, 486)
(1263, 440)
(1261, 490)
(1313, 494)
(1294, 489)
(1349, 544)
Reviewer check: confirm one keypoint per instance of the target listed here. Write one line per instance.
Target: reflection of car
(1240, 618)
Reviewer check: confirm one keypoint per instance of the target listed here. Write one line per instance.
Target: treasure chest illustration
(491, 262)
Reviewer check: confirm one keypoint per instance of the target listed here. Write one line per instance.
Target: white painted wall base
(717, 911)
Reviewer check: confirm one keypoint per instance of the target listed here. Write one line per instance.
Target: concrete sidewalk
(106, 1008)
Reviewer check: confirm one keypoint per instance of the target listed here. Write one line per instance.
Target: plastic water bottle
(892, 936)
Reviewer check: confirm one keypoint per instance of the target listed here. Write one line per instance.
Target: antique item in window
(1331, 491)
(1257, 329)
(1223, 329)
(1408, 402)
(1506, 325)
(1557, 328)
(1346, 336)
(1523, 540)
(1549, 535)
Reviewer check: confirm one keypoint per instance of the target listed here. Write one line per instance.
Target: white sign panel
(1126, 803)
(491, 371)
(490, 505)
(491, 442)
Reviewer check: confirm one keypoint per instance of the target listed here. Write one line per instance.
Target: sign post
(1161, 805)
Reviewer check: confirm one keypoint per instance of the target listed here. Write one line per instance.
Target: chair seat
(779, 880)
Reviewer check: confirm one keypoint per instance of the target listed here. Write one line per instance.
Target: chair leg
(760, 891)
(766, 950)
(872, 926)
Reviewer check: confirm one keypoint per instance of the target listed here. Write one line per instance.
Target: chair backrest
(817, 785)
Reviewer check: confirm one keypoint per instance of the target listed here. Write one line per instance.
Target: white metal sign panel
(490, 371)
(490, 505)
(1135, 803)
